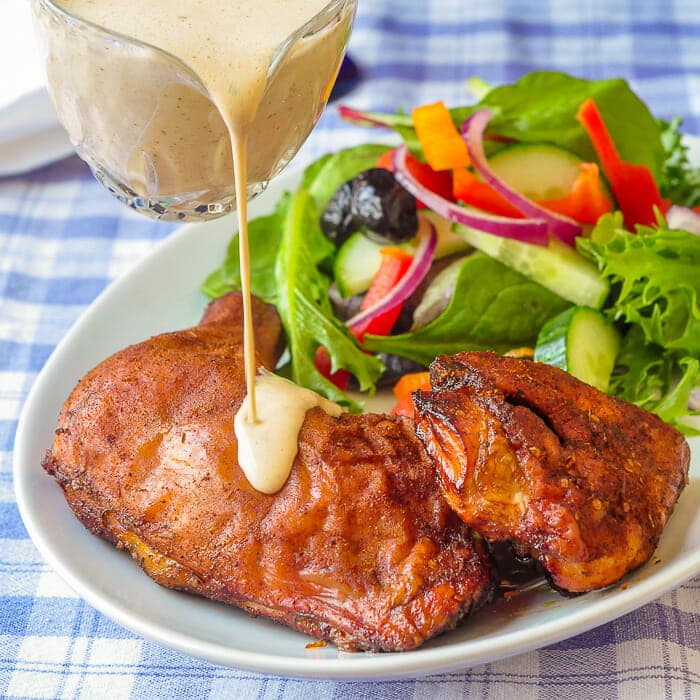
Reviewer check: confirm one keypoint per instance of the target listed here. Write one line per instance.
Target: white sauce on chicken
(271, 442)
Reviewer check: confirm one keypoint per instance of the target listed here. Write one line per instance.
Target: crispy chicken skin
(359, 547)
(526, 453)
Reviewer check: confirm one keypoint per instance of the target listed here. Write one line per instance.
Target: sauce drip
(230, 45)
(273, 439)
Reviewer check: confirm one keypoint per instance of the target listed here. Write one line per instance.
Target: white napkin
(30, 135)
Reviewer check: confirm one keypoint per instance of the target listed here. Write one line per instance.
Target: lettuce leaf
(656, 274)
(542, 107)
(306, 313)
(492, 308)
(325, 176)
(656, 292)
(658, 382)
(264, 236)
(290, 258)
(680, 181)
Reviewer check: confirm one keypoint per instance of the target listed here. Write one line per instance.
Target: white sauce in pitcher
(230, 45)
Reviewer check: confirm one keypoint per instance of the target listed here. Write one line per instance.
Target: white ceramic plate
(161, 293)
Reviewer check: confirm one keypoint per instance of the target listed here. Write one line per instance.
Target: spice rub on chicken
(528, 454)
(359, 547)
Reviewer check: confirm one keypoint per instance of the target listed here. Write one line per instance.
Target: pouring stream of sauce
(240, 155)
(230, 45)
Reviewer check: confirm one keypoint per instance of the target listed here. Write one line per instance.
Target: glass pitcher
(147, 127)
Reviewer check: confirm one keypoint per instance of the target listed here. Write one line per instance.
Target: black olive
(374, 203)
(336, 221)
(394, 368)
(381, 208)
(344, 307)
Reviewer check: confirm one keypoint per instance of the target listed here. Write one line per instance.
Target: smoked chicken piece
(528, 454)
(359, 547)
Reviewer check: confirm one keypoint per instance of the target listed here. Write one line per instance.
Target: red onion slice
(375, 119)
(473, 129)
(683, 218)
(422, 260)
(526, 230)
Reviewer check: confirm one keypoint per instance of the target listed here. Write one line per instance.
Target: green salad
(555, 214)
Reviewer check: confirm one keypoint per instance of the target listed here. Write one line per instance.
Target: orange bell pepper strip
(633, 185)
(443, 146)
(586, 201)
(386, 161)
(403, 390)
(411, 382)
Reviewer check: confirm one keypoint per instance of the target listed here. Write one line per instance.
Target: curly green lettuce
(680, 180)
(655, 380)
(656, 273)
(656, 293)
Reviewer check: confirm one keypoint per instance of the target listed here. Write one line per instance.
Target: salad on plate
(555, 218)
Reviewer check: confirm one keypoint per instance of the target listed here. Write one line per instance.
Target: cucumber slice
(358, 259)
(557, 267)
(540, 171)
(356, 263)
(448, 242)
(437, 296)
(582, 342)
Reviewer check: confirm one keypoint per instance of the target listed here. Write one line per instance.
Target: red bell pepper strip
(633, 185)
(403, 407)
(394, 264)
(438, 181)
(586, 201)
(468, 188)
(340, 377)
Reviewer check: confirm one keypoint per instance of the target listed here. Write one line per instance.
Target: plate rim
(411, 664)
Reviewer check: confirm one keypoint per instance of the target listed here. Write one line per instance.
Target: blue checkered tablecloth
(62, 239)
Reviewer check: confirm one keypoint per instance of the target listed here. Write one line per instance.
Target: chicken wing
(529, 454)
(359, 547)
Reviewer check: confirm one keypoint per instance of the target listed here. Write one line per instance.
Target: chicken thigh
(530, 455)
(359, 547)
